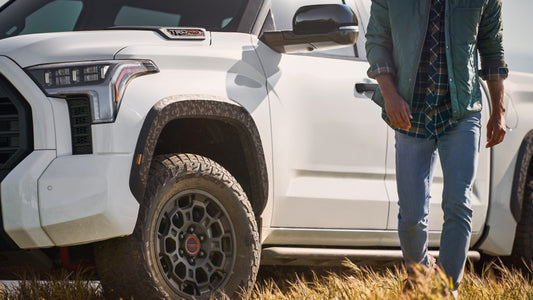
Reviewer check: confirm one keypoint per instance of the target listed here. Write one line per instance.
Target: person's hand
(397, 109)
(398, 112)
(495, 129)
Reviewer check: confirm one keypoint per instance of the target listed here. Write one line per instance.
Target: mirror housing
(316, 27)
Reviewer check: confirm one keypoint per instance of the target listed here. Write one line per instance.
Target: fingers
(400, 117)
(495, 130)
(495, 136)
(405, 117)
(495, 133)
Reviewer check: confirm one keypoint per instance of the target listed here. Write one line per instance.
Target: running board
(295, 256)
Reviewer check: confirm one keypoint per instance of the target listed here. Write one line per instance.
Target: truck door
(329, 142)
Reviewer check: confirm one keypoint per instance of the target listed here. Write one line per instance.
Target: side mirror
(316, 27)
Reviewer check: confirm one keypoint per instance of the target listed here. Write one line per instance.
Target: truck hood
(35, 49)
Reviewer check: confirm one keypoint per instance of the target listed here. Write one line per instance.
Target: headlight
(104, 82)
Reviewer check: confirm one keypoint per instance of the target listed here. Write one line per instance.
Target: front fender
(207, 107)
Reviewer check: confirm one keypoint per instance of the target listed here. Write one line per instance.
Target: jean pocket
(474, 119)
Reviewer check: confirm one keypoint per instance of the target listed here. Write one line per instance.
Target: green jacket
(395, 38)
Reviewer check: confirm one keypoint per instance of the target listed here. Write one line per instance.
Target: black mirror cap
(324, 18)
(316, 27)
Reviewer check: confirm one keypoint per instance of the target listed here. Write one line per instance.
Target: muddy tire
(523, 244)
(195, 237)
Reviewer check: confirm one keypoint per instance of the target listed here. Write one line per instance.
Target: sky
(517, 24)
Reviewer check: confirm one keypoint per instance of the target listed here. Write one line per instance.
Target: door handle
(366, 87)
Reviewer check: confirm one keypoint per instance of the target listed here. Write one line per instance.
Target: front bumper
(49, 201)
(53, 198)
(87, 198)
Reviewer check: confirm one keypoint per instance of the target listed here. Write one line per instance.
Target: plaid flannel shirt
(431, 107)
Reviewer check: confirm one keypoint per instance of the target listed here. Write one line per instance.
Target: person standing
(424, 56)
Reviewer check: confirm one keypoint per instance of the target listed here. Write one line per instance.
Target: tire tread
(523, 244)
(162, 170)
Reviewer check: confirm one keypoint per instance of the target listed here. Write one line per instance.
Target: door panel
(329, 144)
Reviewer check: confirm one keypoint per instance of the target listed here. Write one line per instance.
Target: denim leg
(415, 159)
(458, 151)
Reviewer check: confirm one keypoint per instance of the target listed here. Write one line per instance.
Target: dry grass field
(353, 282)
(350, 282)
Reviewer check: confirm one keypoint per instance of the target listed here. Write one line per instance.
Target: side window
(130, 16)
(283, 11)
(55, 16)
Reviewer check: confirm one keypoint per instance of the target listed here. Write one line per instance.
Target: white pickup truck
(179, 145)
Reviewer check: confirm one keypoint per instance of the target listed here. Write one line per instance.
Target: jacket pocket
(464, 25)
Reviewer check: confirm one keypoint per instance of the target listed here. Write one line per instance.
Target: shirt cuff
(379, 69)
(493, 70)
(500, 73)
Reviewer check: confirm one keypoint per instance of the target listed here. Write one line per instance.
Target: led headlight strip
(104, 82)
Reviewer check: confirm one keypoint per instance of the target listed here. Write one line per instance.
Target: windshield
(38, 16)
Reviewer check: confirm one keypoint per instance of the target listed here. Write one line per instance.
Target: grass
(350, 282)
(493, 282)
(64, 286)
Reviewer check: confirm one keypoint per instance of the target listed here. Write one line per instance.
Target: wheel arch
(523, 170)
(171, 119)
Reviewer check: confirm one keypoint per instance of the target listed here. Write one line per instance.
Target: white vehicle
(187, 143)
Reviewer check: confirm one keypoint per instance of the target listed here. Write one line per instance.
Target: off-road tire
(164, 258)
(523, 244)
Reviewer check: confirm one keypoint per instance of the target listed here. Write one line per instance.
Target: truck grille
(16, 128)
(80, 124)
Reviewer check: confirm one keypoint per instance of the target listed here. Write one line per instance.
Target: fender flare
(207, 107)
(523, 163)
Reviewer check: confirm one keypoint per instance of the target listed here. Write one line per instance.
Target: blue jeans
(415, 160)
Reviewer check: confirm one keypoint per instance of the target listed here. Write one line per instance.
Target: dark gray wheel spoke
(195, 243)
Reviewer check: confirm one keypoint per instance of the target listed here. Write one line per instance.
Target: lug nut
(181, 252)
(191, 229)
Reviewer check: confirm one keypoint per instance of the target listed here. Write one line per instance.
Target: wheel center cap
(192, 245)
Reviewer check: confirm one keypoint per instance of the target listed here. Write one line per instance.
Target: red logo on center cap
(192, 245)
